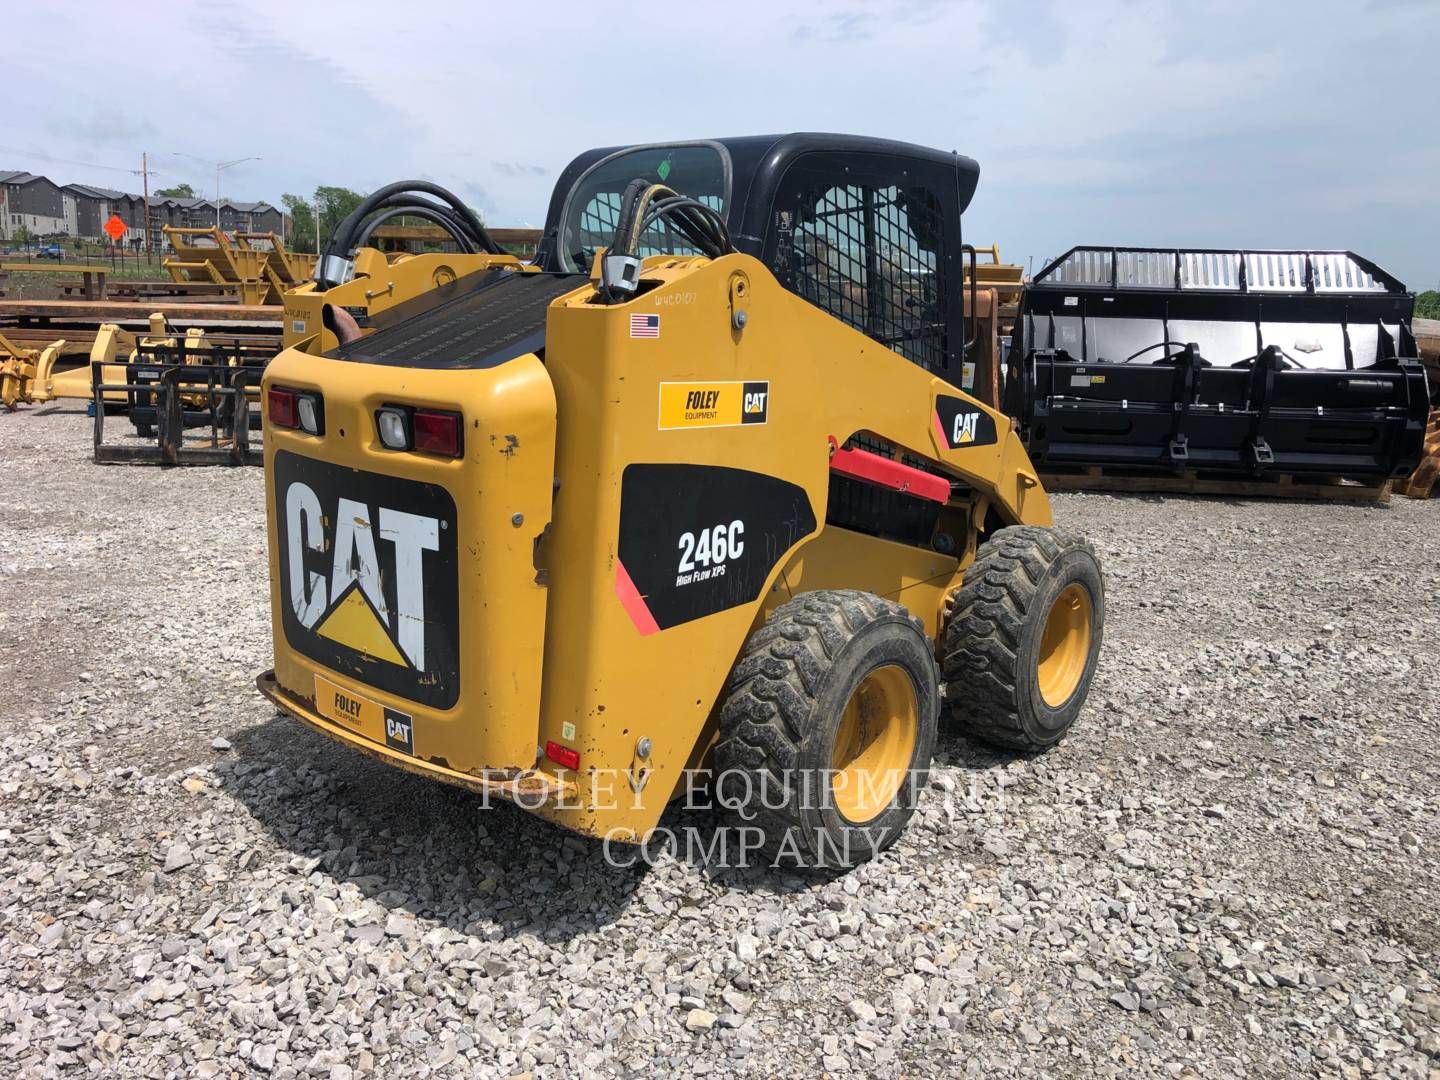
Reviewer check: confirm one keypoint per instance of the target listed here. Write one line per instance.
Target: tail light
(307, 406)
(282, 408)
(394, 427)
(562, 755)
(437, 432)
(430, 431)
(296, 409)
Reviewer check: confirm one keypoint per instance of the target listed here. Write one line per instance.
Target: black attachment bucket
(1294, 362)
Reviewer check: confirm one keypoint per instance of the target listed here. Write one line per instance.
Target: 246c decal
(697, 539)
(705, 557)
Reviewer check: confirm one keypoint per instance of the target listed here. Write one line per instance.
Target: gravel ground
(1229, 869)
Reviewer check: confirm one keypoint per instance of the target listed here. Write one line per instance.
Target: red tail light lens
(562, 755)
(300, 409)
(282, 408)
(437, 432)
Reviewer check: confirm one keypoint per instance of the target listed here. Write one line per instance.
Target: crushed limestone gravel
(1228, 869)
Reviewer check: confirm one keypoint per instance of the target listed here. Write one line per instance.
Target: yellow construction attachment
(25, 374)
(210, 256)
(283, 270)
(114, 348)
(1006, 279)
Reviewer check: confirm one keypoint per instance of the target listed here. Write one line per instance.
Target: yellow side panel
(841, 559)
(668, 380)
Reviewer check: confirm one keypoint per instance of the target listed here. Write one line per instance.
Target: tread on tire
(992, 641)
(784, 706)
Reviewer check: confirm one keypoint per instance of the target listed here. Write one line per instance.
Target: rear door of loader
(407, 605)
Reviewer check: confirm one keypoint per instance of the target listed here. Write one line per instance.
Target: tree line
(332, 204)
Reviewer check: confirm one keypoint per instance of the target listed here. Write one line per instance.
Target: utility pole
(145, 205)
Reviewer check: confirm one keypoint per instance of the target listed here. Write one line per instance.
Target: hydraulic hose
(437, 215)
(334, 265)
(642, 206)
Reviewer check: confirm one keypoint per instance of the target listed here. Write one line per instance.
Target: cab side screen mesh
(873, 257)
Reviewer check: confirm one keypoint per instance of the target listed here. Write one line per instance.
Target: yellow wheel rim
(1065, 645)
(874, 744)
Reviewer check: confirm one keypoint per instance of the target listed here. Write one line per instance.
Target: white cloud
(1225, 122)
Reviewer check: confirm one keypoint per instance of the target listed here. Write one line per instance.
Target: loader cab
(867, 230)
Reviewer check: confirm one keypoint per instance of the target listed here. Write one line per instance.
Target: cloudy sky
(1224, 123)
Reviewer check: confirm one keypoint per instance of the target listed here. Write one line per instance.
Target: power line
(67, 161)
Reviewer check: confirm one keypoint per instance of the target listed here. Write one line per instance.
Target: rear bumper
(528, 788)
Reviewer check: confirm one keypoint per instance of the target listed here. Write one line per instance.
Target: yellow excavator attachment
(25, 374)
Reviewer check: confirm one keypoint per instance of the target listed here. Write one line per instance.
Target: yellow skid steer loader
(696, 490)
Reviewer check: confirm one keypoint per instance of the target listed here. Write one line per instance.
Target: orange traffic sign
(115, 228)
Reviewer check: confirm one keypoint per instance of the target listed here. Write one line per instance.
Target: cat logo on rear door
(368, 576)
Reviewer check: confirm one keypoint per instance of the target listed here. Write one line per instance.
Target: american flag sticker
(646, 326)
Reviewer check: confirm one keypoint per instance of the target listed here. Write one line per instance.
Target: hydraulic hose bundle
(402, 199)
(642, 206)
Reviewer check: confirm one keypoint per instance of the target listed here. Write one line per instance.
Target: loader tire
(1019, 648)
(827, 728)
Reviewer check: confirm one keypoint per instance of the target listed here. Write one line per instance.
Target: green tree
(333, 203)
(179, 191)
(302, 222)
(1427, 304)
(22, 234)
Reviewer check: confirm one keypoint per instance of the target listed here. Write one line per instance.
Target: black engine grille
(500, 318)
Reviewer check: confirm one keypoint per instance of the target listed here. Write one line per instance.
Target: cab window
(593, 208)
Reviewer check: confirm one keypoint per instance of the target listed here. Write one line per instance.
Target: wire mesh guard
(601, 215)
(872, 258)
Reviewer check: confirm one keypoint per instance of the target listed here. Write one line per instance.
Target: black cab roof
(750, 169)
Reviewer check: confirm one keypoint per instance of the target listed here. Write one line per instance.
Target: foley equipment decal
(697, 539)
(357, 713)
(368, 577)
(717, 404)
